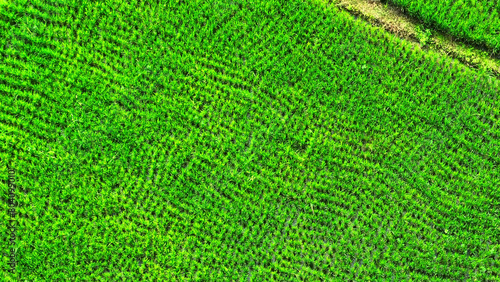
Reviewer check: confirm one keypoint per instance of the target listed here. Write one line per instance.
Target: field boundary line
(393, 20)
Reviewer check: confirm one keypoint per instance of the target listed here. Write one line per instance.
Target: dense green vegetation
(240, 140)
(476, 21)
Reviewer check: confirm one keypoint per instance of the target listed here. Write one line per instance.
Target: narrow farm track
(240, 140)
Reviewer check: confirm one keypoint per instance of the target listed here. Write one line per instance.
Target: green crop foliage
(423, 36)
(476, 21)
(243, 140)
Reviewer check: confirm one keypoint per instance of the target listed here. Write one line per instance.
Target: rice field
(241, 140)
(476, 21)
